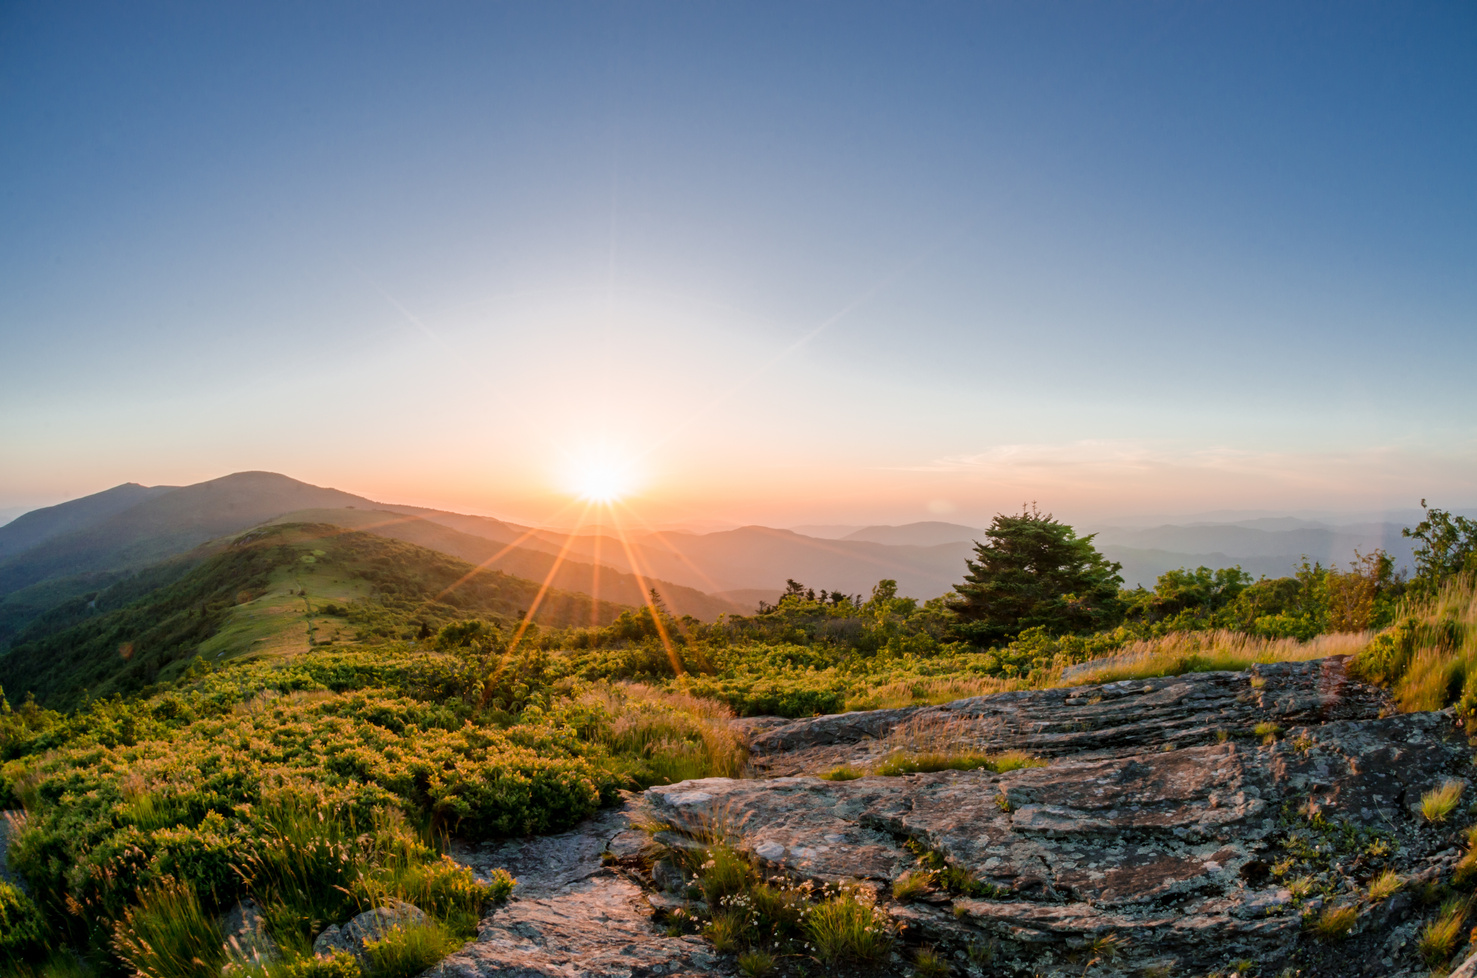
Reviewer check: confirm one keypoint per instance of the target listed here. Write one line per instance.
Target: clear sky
(800, 262)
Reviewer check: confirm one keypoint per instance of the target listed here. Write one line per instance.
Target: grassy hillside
(532, 561)
(273, 591)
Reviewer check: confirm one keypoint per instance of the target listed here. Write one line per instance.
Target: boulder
(247, 943)
(371, 925)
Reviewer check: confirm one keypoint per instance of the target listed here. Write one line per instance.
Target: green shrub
(167, 934)
(22, 930)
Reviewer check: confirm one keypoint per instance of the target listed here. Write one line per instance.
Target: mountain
(926, 534)
(36, 527)
(275, 590)
(158, 525)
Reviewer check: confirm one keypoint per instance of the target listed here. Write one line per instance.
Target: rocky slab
(1110, 720)
(572, 916)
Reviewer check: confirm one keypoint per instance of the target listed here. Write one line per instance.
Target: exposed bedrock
(1081, 721)
(1166, 827)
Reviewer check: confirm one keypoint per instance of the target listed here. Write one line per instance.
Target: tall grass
(167, 934)
(1211, 651)
(673, 736)
(1428, 658)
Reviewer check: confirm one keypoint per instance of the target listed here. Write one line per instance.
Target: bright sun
(601, 483)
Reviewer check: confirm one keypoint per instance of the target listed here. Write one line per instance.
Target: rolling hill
(276, 590)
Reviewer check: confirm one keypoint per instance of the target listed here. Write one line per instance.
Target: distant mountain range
(53, 554)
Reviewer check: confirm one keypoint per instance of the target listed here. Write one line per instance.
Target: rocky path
(1166, 825)
(574, 914)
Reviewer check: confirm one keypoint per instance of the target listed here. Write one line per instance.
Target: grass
(911, 885)
(1438, 803)
(1385, 885)
(928, 962)
(849, 929)
(409, 949)
(1267, 732)
(1334, 923)
(167, 934)
(843, 772)
(1440, 936)
(757, 964)
(1210, 651)
(924, 692)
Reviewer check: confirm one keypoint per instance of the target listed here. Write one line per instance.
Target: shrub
(169, 935)
(22, 930)
(1438, 803)
(848, 928)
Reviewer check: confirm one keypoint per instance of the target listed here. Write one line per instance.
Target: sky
(781, 263)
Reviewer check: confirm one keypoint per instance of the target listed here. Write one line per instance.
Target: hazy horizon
(843, 264)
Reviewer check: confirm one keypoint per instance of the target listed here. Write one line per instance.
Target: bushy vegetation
(319, 786)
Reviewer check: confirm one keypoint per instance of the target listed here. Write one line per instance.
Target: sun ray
(481, 567)
(548, 580)
(656, 617)
(713, 586)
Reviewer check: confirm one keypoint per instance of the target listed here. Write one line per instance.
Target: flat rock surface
(1111, 720)
(570, 915)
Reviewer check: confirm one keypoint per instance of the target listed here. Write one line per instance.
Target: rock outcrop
(371, 925)
(1180, 825)
(573, 916)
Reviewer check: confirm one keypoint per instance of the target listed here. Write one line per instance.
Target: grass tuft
(756, 964)
(910, 885)
(1385, 885)
(849, 929)
(409, 949)
(1334, 923)
(1440, 936)
(1438, 803)
(929, 963)
(843, 772)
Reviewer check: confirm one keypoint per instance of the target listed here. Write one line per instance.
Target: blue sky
(804, 262)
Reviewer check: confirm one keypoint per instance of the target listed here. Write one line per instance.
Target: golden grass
(926, 692)
(1334, 923)
(1438, 803)
(1441, 936)
(1385, 885)
(1213, 651)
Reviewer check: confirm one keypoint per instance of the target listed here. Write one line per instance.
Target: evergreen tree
(1035, 571)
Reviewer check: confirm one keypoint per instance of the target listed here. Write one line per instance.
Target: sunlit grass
(1210, 651)
(1334, 923)
(1438, 803)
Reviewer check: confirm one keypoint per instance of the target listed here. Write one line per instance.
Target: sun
(600, 482)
